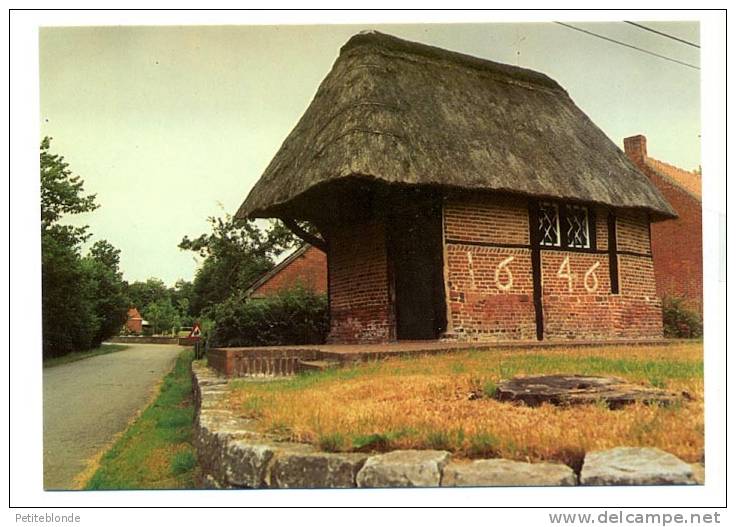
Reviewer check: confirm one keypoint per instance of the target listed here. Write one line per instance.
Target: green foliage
(490, 388)
(163, 316)
(445, 439)
(141, 294)
(332, 442)
(236, 253)
(169, 306)
(61, 194)
(83, 300)
(183, 462)
(484, 445)
(377, 442)
(109, 298)
(297, 316)
(68, 314)
(680, 321)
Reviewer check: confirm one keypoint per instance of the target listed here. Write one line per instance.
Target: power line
(662, 33)
(628, 45)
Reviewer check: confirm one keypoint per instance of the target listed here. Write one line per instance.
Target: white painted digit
(590, 273)
(509, 277)
(565, 272)
(470, 269)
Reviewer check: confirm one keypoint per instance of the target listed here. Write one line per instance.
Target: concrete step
(316, 365)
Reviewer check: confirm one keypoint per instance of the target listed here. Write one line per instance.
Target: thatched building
(462, 198)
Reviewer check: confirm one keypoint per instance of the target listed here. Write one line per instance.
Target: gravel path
(85, 403)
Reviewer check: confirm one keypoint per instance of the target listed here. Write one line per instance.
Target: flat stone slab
(635, 466)
(507, 473)
(315, 470)
(403, 468)
(579, 389)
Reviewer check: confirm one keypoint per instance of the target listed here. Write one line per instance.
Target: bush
(296, 316)
(680, 321)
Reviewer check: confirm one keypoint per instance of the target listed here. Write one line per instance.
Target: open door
(415, 241)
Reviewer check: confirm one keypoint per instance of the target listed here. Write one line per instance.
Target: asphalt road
(85, 403)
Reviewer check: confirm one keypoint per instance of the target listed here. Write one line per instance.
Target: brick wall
(484, 305)
(493, 220)
(308, 270)
(488, 272)
(489, 289)
(576, 295)
(632, 231)
(360, 310)
(677, 245)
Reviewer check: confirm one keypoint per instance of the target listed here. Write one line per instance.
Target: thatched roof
(400, 112)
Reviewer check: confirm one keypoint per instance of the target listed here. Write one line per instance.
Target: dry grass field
(422, 402)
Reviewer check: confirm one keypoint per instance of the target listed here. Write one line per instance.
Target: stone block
(403, 468)
(507, 473)
(306, 470)
(635, 466)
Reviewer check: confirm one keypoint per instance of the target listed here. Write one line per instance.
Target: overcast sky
(170, 125)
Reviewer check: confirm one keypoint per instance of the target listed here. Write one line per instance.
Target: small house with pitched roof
(463, 199)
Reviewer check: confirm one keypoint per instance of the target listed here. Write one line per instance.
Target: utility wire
(628, 45)
(662, 33)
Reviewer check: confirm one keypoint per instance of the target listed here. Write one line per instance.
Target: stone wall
(233, 454)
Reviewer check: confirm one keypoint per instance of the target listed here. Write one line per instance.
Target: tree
(181, 296)
(67, 300)
(68, 315)
(83, 298)
(142, 294)
(61, 194)
(163, 316)
(110, 300)
(236, 253)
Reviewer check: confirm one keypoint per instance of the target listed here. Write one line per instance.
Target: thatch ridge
(405, 113)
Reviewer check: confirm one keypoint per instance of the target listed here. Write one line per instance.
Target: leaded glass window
(576, 227)
(549, 225)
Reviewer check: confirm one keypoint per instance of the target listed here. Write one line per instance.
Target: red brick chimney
(636, 148)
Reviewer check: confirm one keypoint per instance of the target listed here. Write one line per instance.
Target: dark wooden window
(549, 224)
(577, 227)
(569, 226)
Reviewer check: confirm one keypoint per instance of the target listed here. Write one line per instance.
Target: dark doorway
(415, 241)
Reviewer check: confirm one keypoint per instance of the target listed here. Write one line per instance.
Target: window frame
(543, 205)
(568, 242)
(564, 243)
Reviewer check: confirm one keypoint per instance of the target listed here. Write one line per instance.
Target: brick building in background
(677, 245)
(459, 198)
(306, 267)
(134, 323)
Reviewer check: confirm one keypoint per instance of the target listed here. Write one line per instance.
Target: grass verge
(156, 451)
(424, 402)
(81, 355)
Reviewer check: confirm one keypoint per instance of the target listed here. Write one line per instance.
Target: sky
(171, 125)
